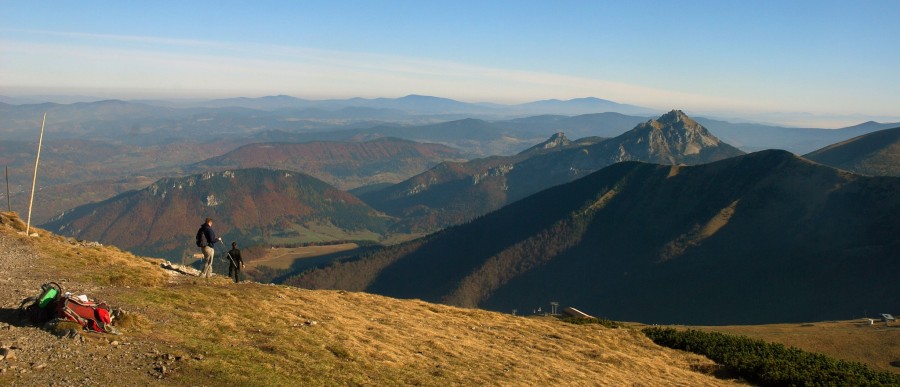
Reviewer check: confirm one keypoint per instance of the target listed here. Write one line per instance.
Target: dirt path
(35, 357)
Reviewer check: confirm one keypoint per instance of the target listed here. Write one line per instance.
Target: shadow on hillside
(266, 274)
(717, 371)
(301, 265)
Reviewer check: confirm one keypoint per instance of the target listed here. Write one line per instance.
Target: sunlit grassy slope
(254, 334)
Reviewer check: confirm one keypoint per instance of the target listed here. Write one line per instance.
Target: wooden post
(34, 179)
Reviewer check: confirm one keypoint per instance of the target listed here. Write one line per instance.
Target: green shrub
(585, 320)
(771, 364)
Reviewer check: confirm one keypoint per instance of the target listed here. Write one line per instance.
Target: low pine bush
(586, 320)
(771, 364)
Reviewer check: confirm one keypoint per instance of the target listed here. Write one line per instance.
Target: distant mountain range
(277, 118)
(106, 141)
(873, 154)
(452, 193)
(253, 206)
(139, 119)
(410, 104)
(754, 137)
(474, 137)
(146, 125)
(579, 106)
(343, 164)
(764, 237)
(585, 125)
(422, 104)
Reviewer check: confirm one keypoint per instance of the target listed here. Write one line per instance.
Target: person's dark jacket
(209, 233)
(236, 257)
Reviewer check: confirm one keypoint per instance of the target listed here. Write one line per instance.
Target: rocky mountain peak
(558, 139)
(673, 116)
(677, 119)
(675, 123)
(670, 139)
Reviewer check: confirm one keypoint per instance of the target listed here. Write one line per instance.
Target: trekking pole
(237, 268)
(231, 259)
(227, 254)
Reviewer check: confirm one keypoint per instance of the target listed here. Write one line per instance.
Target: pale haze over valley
(812, 64)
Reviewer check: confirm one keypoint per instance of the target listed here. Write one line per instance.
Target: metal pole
(8, 206)
(34, 180)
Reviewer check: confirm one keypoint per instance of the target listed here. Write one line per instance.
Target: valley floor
(284, 257)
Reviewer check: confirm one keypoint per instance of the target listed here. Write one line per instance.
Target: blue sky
(727, 57)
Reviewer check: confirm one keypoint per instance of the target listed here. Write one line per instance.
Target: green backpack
(42, 308)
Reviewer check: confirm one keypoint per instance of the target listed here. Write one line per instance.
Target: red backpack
(89, 314)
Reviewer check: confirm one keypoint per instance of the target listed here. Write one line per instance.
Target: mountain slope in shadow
(759, 238)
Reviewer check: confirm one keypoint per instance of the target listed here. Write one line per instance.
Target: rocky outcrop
(673, 138)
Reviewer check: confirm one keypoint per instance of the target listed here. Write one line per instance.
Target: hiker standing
(236, 263)
(206, 239)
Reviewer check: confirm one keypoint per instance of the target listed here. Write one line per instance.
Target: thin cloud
(151, 62)
(102, 61)
(122, 38)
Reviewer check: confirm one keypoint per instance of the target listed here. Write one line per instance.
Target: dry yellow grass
(360, 338)
(87, 262)
(875, 345)
(254, 334)
(284, 257)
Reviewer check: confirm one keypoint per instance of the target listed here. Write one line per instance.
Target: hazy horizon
(786, 119)
(797, 64)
